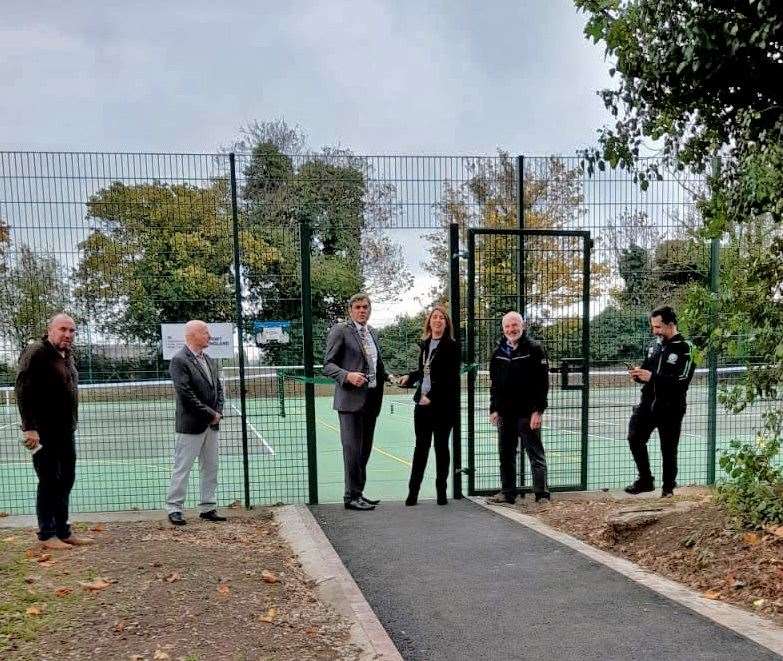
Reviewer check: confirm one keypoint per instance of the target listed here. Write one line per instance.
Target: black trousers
(640, 428)
(512, 429)
(429, 423)
(55, 465)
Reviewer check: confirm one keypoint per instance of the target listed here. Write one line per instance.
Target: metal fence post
(470, 329)
(521, 303)
(454, 301)
(305, 239)
(712, 356)
(239, 322)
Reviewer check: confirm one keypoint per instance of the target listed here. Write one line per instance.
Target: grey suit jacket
(344, 354)
(198, 399)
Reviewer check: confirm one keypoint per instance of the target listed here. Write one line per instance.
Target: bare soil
(231, 590)
(699, 547)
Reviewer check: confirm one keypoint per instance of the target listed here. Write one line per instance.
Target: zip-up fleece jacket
(519, 378)
(672, 367)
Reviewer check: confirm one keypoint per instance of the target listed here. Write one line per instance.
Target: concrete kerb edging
(756, 628)
(333, 582)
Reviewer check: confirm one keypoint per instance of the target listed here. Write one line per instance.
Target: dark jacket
(344, 353)
(444, 376)
(519, 379)
(672, 367)
(46, 390)
(198, 399)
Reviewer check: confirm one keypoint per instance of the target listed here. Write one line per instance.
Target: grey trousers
(187, 448)
(356, 433)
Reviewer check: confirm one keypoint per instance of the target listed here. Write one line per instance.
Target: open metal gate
(550, 286)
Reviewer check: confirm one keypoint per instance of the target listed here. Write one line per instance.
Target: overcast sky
(379, 77)
(395, 76)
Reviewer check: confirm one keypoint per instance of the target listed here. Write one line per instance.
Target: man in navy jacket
(519, 384)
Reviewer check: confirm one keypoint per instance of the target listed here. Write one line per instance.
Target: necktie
(367, 347)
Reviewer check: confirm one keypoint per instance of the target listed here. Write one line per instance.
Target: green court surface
(125, 449)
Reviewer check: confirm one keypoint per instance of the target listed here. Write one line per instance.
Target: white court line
(266, 448)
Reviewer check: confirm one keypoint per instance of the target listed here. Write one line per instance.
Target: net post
(305, 240)
(281, 391)
(521, 303)
(454, 305)
(239, 322)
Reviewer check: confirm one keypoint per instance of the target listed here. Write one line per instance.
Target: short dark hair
(666, 313)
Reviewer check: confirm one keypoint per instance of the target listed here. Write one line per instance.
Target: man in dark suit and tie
(199, 410)
(353, 360)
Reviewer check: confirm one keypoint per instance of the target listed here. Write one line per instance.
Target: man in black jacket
(665, 375)
(199, 411)
(47, 398)
(519, 384)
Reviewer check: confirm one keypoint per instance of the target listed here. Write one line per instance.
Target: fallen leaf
(33, 611)
(759, 603)
(235, 505)
(62, 592)
(31, 553)
(172, 577)
(775, 530)
(269, 576)
(44, 557)
(269, 616)
(31, 579)
(224, 590)
(46, 563)
(98, 527)
(10, 539)
(712, 594)
(751, 538)
(160, 655)
(97, 584)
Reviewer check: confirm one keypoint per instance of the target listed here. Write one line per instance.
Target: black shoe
(359, 504)
(212, 515)
(370, 501)
(411, 500)
(442, 500)
(640, 486)
(667, 493)
(177, 519)
(543, 497)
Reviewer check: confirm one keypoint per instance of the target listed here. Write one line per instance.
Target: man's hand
(356, 379)
(218, 417)
(31, 439)
(424, 400)
(638, 374)
(535, 420)
(403, 380)
(493, 418)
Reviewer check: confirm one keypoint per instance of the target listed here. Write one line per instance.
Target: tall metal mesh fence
(129, 241)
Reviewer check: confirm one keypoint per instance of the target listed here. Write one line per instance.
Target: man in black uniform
(46, 394)
(666, 373)
(519, 384)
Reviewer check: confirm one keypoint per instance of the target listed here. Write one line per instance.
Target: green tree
(399, 343)
(32, 290)
(162, 252)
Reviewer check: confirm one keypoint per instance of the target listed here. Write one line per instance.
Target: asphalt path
(460, 582)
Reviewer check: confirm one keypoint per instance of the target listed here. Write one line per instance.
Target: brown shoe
(73, 540)
(54, 544)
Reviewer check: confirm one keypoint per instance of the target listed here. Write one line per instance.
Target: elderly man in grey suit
(353, 360)
(199, 410)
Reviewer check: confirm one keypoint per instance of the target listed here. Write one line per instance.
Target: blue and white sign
(271, 331)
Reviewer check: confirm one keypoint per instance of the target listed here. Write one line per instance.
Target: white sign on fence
(220, 346)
